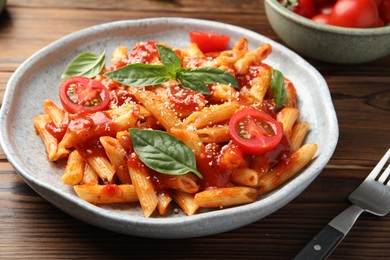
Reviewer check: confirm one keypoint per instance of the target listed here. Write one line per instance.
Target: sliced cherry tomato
(210, 42)
(322, 18)
(355, 13)
(81, 94)
(254, 131)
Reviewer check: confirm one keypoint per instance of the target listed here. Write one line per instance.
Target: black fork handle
(323, 244)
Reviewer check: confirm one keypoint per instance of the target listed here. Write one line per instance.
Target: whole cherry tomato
(355, 13)
(304, 8)
(322, 18)
(384, 11)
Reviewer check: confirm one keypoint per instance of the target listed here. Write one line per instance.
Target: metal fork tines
(372, 196)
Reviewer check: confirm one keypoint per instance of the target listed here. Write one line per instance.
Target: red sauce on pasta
(214, 175)
(57, 132)
(110, 190)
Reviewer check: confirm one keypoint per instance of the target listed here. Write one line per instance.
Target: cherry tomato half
(355, 13)
(209, 42)
(254, 131)
(81, 94)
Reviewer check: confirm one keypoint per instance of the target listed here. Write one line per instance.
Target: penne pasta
(226, 197)
(164, 200)
(285, 170)
(211, 115)
(260, 86)
(214, 134)
(298, 134)
(117, 156)
(158, 108)
(252, 58)
(288, 116)
(143, 186)
(90, 177)
(223, 93)
(245, 176)
(53, 149)
(102, 166)
(186, 202)
(56, 114)
(74, 170)
(106, 194)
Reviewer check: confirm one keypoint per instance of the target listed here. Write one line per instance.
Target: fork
(373, 196)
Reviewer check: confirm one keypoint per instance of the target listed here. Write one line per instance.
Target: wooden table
(32, 228)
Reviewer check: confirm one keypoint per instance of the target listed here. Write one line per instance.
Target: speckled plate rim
(175, 226)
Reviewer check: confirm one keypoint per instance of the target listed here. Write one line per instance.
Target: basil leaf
(163, 152)
(139, 75)
(86, 64)
(205, 75)
(277, 84)
(170, 60)
(192, 81)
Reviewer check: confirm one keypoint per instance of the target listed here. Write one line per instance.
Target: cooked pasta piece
(214, 134)
(285, 170)
(164, 200)
(211, 115)
(53, 149)
(90, 177)
(298, 134)
(102, 166)
(74, 170)
(186, 202)
(158, 108)
(288, 116)
(56, 114)
(226, 197)
(253, 57)
(245, 176)
(143, 186)
(106, 194)
(117, 156)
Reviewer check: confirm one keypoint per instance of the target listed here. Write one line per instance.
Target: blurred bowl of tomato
(334, 31)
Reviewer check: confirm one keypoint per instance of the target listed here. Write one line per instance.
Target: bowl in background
(325, 42)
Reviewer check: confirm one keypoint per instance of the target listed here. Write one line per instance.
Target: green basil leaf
(140, 75)
(277, 84)
(170, 59)
(163, 152)
(206, 75)
(86, 64)
(192, 81)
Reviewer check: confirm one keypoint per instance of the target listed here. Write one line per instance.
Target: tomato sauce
(244, 80)
(110, 190)
(184, 101)
(57, 132)
(144, 52)
(88, 128)
(214, 175)
(280, 152)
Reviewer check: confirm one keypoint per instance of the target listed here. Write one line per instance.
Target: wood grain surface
(31, 228)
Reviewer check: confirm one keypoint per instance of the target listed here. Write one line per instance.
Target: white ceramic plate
(38, 78)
